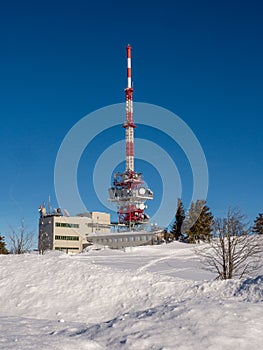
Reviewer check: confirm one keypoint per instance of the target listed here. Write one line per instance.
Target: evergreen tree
(179, 219)
(199, 222)
(190, 220)
(3, 249)
(258, 224)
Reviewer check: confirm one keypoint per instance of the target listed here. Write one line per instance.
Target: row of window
(67, 238)
(66, 224)
(121, 239)
(65, 249)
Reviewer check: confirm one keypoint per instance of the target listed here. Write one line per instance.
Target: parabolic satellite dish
(142, 190)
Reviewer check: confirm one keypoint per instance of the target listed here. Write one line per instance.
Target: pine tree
(190, 220)
(179, 219)
(258, 224)
(3, 249)
(199, 222)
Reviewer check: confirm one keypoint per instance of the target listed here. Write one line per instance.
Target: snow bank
(249, 290)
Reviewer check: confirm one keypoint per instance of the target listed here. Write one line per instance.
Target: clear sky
(61, 60)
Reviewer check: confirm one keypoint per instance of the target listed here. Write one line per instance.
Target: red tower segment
(128, 48)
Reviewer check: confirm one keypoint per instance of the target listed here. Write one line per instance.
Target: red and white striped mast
(129, 123)
(129, 190)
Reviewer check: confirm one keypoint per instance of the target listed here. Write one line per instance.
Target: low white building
(119, 240)
(69, 233)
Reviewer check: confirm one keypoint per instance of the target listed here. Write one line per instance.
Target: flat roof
(119, 234)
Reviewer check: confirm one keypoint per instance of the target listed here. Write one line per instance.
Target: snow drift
(125, 300)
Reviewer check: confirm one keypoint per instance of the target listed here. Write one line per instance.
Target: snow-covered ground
(154, 297)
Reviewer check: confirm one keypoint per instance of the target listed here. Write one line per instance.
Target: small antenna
(66, 212)
(49, 206)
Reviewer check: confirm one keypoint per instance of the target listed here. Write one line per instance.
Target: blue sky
(61, 60)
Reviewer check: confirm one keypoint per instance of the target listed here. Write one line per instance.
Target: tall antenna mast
(129, 190)
(129, 123)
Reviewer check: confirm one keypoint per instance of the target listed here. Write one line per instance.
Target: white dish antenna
(66, 213)
(142, 190)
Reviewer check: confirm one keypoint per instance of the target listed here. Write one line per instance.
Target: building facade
(69, 233)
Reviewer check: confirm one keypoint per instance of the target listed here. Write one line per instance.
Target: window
(66, 224)
(67, 238)
(68, 248)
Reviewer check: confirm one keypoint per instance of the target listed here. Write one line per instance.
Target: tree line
(233, 248)
(199, 223)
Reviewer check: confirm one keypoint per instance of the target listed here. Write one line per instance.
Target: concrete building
(69, 233)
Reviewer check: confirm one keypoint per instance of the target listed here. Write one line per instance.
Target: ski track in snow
(144, 298)
(155, 261)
